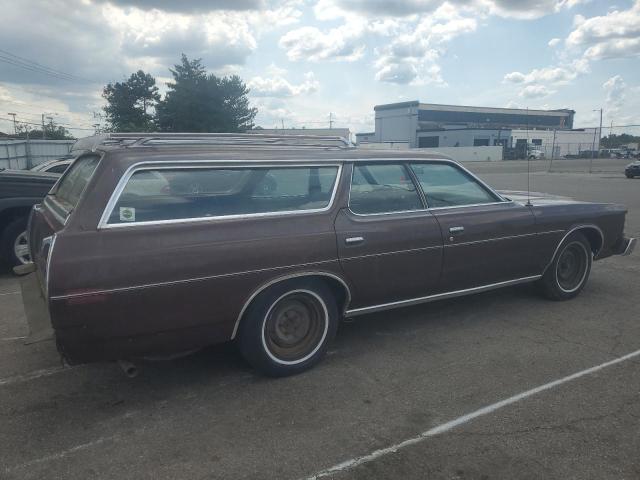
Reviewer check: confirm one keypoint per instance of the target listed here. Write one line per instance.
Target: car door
(389, 244)
(487, 239)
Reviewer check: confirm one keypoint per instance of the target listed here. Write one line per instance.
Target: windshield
(68, 192)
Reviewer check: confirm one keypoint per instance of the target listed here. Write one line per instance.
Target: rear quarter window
(165, 194)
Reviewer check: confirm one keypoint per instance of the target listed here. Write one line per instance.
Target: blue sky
(303, 59)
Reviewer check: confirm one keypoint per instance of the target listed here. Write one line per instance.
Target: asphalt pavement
(499, 385)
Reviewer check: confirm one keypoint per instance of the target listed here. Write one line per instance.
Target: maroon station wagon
(152, 245)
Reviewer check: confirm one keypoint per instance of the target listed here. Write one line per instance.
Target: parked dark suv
(19, 191)
(161, 244)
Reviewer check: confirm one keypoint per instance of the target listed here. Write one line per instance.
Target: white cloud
(412, 56)
(278, 86)
(549, 75)
(554, 42)
(523, 9)
(616, 90)
(614, 35)
(535, 91)
(310, 43)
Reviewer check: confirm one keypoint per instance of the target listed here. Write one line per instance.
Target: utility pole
(330, 120)
(15, 130)
(600, 132)
(282, 121)
(44, 136)
(593, 149)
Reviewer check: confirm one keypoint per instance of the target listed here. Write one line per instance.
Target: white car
(53, 166)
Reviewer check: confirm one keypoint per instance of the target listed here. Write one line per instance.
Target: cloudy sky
(306, 58)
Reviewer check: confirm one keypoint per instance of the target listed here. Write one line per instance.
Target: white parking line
(45, 372)
(9, 293)
(12, 339)
(61, 454)
(445, 427)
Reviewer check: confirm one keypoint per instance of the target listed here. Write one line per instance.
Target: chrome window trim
(438, 296)
(569, 232)
(400, 162)
(503, 200)
(407, 163)
(261, 289)
(215, 164)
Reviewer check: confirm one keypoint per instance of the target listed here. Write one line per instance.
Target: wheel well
(594, 236)
(337, 286)
(339, 289)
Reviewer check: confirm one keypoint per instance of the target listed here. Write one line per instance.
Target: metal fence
(25, 154)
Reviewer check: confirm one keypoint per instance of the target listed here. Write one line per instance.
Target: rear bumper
(35, 305)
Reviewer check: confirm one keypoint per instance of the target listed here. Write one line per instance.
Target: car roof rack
(229, 139)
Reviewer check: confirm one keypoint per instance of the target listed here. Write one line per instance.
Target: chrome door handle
(456, 229)
(353, 240)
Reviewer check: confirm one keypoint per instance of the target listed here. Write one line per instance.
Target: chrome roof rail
(237, 139)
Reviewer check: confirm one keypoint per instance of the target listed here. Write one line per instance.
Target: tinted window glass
(57, 168)
(74, 181)
(382, 189)
(171, 194)
(445, 185)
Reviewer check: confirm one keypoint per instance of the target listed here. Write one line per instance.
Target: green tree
(614, 141)
(51, 132)
(201, 102)
(130, 104)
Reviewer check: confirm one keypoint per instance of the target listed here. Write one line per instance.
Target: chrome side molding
(438, 296)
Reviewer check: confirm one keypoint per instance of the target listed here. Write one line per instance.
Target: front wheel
(287, 328)
(569, 269)
(628, 175)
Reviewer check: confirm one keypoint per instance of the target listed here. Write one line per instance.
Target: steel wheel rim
(295, 327)
(21, 248)
(572, 267)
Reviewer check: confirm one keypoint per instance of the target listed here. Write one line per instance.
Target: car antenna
(526, 152)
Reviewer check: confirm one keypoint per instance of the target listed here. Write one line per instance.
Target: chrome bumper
(631, 244)
(35, 305)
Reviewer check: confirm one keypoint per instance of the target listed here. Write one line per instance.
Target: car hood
(25, 183)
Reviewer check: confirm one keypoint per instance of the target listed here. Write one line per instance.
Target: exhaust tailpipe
(129, 369)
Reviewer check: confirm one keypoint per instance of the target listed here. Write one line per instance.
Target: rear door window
(166, 194)
(446, 185)
(382, 188)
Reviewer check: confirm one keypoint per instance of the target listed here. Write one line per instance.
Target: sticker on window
(127, 214)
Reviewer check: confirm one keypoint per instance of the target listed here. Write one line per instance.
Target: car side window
(446, 185)
(382, 188)
(162, 194)
(58, 168)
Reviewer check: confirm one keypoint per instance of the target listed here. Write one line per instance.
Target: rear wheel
(569, 270)
(14, 245)
(287, 328)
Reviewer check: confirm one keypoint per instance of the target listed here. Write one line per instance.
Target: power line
(71, 127)
(30, 65)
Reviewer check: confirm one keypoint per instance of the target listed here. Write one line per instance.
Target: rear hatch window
(70, 187)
